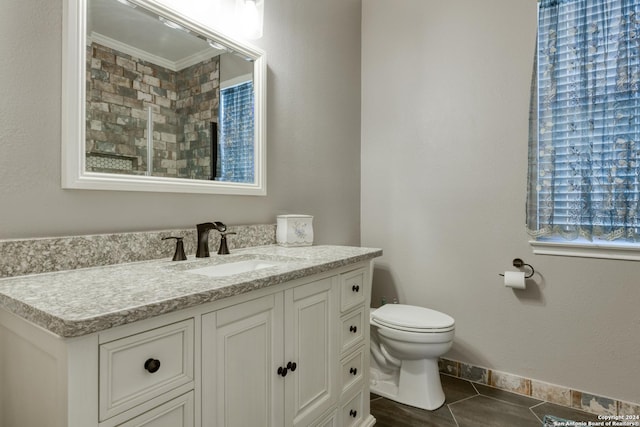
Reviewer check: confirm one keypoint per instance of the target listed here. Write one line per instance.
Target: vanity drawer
(328, 421)
(178, 412)
(352, 289)
(140, 367)
(352, 370)
(352, 411)
(352, 330)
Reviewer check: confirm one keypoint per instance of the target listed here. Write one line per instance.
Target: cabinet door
(241, 350)
(310, 343)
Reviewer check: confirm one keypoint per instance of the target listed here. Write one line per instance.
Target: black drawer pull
(353, 329)
(282, 371)
(353, 371)
(353, 413)
(292, 366)
(152, 365)
(355, 288)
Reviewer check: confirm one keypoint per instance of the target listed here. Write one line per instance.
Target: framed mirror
(153, 101)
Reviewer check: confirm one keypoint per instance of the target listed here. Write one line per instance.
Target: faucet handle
(179, 253)
(224, 249)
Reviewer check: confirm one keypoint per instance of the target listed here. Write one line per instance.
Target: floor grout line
(462, 400)
(453, 416)
(538, 404)
(534, 414)
(506, 401)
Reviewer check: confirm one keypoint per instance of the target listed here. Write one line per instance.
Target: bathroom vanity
(267, 336)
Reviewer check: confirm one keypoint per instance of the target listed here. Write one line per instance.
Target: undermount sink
(238, 267)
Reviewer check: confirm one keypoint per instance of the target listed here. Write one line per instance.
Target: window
(584, 142)
(236, 147)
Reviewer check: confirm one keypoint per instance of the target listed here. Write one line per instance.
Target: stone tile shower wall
(197, 106)
(120, 89)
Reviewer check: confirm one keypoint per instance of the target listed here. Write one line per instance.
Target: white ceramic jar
(294, 230)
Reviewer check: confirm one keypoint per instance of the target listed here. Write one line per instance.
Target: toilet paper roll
(514, 279)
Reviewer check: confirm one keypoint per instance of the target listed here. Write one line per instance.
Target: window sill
(587, 250)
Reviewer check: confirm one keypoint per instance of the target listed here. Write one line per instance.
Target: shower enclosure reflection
(162, 101)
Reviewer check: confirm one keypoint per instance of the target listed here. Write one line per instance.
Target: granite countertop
(78, 302)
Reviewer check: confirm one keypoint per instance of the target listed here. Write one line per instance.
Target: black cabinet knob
(292, 366)
(152, 365)
(282, 371)
(355, 288)
(353, 413)
(353, 371)
(353, 329)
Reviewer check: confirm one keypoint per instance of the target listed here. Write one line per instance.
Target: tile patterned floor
(472, 405)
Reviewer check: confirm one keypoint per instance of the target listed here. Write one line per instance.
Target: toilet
(406, 343)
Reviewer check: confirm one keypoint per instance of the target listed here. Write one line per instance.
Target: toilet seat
(412, 319)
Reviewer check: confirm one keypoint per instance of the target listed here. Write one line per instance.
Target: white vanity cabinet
(135, 375)
(295, 358)
(288, 355)
(271, 361)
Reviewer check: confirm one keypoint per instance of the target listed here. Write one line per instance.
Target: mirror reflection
(162, 101)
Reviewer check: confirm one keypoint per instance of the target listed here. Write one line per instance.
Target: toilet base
(416, 383)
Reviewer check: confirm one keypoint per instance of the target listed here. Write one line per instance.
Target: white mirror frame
(74, 173)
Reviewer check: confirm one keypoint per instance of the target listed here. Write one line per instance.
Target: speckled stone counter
(79, 302)
(44, 255)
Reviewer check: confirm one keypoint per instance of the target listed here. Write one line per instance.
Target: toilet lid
(411, 317)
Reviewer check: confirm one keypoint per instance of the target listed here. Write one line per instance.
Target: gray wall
(232, 66)
(443, 179)
(313, 132)
(444, 159)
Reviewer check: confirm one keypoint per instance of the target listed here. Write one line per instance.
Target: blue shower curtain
(584, 152)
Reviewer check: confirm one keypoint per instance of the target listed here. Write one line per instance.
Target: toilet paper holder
(517, 262)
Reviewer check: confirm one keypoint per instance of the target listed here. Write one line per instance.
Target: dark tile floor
(472, 405)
